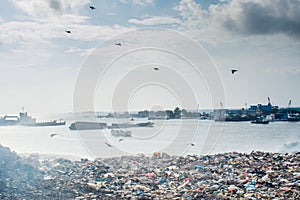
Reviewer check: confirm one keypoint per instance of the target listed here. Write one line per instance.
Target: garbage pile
(19, 177)
(258, 175)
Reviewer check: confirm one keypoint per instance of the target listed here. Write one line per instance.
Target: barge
(95, 125)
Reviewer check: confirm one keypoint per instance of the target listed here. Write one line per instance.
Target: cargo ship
(25, 120)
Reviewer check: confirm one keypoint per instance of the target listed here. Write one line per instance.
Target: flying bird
(156, 68)
(109, 145)
(121, 139)
(192, 144)
(92, 8)
(53, 134)
(119, 44)
(68, 31)
(233, 71)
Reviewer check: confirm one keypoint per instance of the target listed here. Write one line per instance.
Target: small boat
(203, 118)
(146, 124)
(291, 118)
(260, 120)
(120, 133)
(129, 125)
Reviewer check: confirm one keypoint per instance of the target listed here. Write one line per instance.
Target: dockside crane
(288, 108)
(269, 101)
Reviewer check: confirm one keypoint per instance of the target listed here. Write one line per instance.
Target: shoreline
(161, 176)
(51, 156)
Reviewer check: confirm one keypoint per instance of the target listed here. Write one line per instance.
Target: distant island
(177, 113)
(254, 112)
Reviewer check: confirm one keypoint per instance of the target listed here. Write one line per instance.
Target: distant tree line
(177, 113)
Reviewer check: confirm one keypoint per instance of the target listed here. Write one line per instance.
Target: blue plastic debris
(250, 187)
(198, 167)
(162, 180)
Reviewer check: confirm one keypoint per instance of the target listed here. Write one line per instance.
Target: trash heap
(258, 175)
(19, 177)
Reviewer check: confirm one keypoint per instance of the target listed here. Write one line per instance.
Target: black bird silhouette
(119, 44)
(192, 144)
(109, 145)
(156, 68)
(68, 31)
(120, 140)
(53, 134)
(92, 8)
(233, 71)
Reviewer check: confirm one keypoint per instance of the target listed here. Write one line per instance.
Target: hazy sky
(40, 63)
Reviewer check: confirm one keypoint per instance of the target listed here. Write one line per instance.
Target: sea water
(175, 137)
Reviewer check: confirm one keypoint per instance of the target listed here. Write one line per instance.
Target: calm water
(175, 137)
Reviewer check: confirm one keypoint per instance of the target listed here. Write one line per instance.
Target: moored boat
(25, 120)
(260, 120)
(291, 118)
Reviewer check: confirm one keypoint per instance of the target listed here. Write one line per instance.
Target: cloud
(79, 51)
(55, 5)
(36, 32)
(49, 8)
(156, 20)
(191, 12)
(244, 18)
(262, 17)
(138, 2)
(1, 20)
(39, 22)
(290, 70)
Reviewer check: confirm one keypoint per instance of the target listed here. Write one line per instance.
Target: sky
(194, 43)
